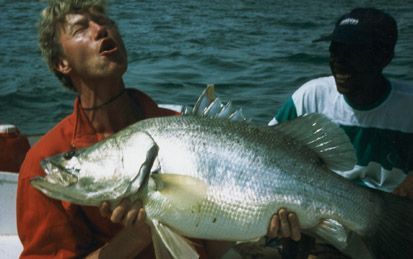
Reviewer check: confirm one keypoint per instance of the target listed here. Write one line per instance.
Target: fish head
(107, 171)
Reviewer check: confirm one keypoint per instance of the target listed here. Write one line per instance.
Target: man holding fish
(371, 108)
(83, 48)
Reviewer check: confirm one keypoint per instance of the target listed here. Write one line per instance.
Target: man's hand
(405, 189)
(131, 215)
(132, 239)
(126, 212)
(284, 224)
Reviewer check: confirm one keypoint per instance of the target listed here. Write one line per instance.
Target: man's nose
(99, 30)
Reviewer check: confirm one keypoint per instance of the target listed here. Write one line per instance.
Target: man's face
(92, 47)
(353, 67)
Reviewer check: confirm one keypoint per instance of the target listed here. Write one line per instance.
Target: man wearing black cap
(372, 109)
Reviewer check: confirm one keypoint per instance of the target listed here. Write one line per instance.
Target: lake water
(255, 52)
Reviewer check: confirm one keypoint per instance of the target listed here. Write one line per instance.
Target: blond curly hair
(52, 19)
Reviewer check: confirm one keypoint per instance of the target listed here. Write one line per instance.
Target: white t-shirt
(381, 134)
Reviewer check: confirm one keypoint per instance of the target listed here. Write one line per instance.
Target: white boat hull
(10, 246)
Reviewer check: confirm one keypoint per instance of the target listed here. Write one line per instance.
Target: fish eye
(69, 155)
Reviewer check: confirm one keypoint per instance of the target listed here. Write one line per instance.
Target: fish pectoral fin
(177, 245)
(183, 192)
(333, 232)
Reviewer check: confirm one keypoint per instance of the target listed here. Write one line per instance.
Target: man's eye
(78, 30)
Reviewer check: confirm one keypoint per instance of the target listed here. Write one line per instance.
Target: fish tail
(392, 237)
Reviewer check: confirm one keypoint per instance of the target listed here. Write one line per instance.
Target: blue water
(255, 52)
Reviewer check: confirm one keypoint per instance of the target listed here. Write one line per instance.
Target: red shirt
(51, 228)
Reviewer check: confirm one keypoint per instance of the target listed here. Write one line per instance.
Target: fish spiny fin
(183, 192)
(333, 232)
(324, 137)
(226, 110)
(177, 245)
(204, 100)
(208, 105)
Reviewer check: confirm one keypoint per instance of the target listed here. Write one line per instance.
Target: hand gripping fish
(210, 178)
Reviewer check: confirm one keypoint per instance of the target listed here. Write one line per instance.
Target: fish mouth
(49, 166)
(107, 47)
(57, 174)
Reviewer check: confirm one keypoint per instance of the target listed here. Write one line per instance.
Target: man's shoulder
(55, 141)
(402, 87)
(140, 95)
(322, 88)
(149, 106)
(318, 84)
(61, 132)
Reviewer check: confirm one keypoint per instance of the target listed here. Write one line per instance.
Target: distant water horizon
(255, 52)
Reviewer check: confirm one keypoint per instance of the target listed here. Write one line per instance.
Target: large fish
(214, 179)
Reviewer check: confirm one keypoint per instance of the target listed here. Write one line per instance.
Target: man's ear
(63, 66)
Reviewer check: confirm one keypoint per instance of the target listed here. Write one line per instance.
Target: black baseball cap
(364, 26)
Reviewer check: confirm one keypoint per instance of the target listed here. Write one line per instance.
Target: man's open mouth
(107, 47)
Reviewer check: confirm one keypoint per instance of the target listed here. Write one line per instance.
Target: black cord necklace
(105, 103)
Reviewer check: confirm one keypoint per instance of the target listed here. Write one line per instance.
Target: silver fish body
(213, 179)
(250, 173)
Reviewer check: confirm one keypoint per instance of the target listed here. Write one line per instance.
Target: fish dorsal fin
(332, 232)
(204, 100)
(177, 245)
(208, 105)
(183, 192)
(324, 137)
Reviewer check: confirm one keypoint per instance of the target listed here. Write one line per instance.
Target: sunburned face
(92, 47)
(353, 66)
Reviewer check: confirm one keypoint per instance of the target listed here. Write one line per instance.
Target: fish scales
(245, 186)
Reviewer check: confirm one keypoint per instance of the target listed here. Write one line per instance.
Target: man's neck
(108, 107)
(115, 116)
